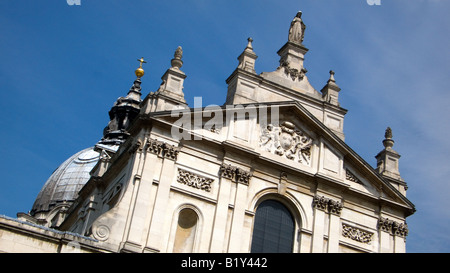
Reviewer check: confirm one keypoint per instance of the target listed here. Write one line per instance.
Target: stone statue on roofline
(297, 29)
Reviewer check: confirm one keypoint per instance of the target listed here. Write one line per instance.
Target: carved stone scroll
(356, 234)
(194, 180)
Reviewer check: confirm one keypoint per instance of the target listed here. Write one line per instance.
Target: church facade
(268, 171)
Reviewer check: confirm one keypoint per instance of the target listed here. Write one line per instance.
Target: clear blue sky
(62, 67)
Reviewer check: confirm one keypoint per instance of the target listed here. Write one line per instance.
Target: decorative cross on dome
(140, 72)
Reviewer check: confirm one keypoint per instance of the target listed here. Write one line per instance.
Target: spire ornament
(388, 142)
(176, 62)
(249, 44)
(124, 112)
(332, 76)
(140, 71)
(247, 58)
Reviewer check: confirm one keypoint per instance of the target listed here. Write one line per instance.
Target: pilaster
(392, 235)
(325, 207)
(221, 213)
(237, 222)
(169, 154)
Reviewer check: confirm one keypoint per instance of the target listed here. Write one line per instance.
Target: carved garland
(293, 72)
(356, 234)
(327, 205)
(393, 227)
(235, 174)
(194, 180)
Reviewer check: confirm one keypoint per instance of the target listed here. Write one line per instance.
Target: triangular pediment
(287, 134)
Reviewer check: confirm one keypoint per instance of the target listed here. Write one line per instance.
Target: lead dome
(63, 185)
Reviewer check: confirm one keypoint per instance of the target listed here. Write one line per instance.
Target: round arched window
(273, 230)
(186, 228)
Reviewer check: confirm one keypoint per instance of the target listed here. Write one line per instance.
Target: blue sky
(62, 67)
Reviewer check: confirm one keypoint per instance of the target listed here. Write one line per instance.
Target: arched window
(185, 234)
(273, 230)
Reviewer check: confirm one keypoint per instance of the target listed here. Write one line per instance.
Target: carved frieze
(356, 234)
(194, 180)
(235, 174)
(286, 141)
(393, 227)
(327, 205)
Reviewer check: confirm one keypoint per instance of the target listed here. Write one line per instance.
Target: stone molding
(356, 234)
(327, 205)
(194, 180)
(162, 149)
(393, 227)
(235, 174)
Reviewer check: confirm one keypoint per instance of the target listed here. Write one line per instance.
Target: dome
(66, 181)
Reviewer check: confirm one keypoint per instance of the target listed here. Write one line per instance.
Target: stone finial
(176, 62)
(330, 92)
(388, 133)
(388, 163)
(249, 45)
(248, 57)
(388, 142)
(332, 76)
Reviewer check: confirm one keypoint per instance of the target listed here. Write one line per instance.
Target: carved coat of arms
(287, 141)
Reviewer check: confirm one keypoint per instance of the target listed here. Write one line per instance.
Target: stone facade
(190, 180)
